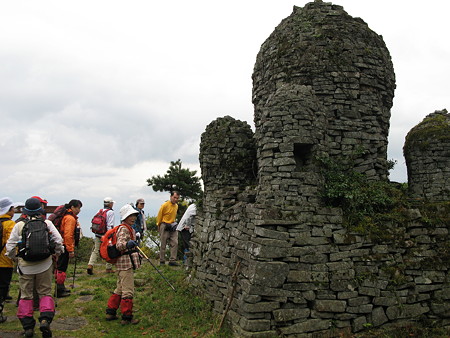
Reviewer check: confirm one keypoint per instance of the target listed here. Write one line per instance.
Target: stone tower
(323, 82)
(266, 250)
(427, 155)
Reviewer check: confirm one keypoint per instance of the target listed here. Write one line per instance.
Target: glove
(131, 244)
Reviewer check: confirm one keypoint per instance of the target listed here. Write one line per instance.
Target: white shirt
(191, 211)
(26, 267)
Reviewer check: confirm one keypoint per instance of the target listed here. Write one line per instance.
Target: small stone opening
(302, 155)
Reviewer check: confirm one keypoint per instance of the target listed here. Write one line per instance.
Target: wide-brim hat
(108, 200)
(126, 211)
(32, 207)
(6, 203)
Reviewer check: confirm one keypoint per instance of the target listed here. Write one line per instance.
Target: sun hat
(32, 207)
(6, 203)
(126, 211)
(108, 200)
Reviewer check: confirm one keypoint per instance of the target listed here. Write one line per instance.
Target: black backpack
(36, 243)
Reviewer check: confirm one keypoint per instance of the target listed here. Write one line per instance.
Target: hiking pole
(157, 244)
(145, 256)
(74, 269)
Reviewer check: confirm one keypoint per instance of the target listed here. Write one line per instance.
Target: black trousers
(5, 281)
(63, 261)
(186, 237)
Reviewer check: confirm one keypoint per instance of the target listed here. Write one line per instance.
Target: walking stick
(74, 269)
(145, 256)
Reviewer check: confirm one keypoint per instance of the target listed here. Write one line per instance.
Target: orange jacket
(68, 225)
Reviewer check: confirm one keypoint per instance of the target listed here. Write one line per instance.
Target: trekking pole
(145, 256)
(157, 244)
(74, 269)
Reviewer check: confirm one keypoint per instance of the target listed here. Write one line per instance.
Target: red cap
(40, 199)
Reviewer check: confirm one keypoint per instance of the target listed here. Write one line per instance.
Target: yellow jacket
(167, 213)
(8, 225)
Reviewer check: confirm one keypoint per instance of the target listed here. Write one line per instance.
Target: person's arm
(68, 225)
(123, 236)
(13, 239)
(160, 215)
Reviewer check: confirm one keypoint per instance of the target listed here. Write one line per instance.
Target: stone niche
(266, 251)
(427, 155)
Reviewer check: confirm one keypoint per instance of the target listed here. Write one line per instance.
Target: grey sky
(98, 96)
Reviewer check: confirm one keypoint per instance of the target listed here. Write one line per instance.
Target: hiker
(37, 239)
(6, 264)
(23, 217)
(140, 226)
(125, 266)
(43, 205)
(68, 227)
(108, 213)
(186, 228)
(165, 220)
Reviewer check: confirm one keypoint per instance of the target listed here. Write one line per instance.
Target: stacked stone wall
(427, 154)
(265, 246)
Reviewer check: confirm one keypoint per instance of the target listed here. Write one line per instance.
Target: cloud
(96, 97)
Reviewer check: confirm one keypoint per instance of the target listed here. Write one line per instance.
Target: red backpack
(98, 223)
(108, 249)
(57, 216)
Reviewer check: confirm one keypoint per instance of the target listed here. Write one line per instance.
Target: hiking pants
(125, 283)
(42, 282)
(96, 253)
(172, 237)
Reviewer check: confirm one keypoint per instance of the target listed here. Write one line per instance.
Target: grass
(162, 312)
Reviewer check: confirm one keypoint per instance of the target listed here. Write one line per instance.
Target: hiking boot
(174, 264)
(90, 270)
(62, 294)
(3, 318)
(111, 317)
(131, 321)
(45, 328)
(28, 333)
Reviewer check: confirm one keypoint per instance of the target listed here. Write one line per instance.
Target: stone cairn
(267, 253)
(427, 154)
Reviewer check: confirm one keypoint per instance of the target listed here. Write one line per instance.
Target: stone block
(284, 315)
(378, 316)
(330, 305)
(254, 324)
(270, 274)
(309, 325)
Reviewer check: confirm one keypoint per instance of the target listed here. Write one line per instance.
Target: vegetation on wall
(364, 202)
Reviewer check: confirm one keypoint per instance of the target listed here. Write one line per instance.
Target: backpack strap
(130, 252)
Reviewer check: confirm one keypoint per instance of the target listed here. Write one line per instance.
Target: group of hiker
(42, 246)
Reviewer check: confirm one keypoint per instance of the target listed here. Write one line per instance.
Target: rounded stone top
(434, 129)
(227, 153)
(322, 46)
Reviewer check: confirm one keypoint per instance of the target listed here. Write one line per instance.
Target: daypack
(57, 216)
(99, 222)
(36, 243)
(108, 249)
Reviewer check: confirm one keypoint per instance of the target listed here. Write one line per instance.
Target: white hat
(6, 203)
(108, 200)
(126, 211)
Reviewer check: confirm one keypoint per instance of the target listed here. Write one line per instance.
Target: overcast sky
(98, 96)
